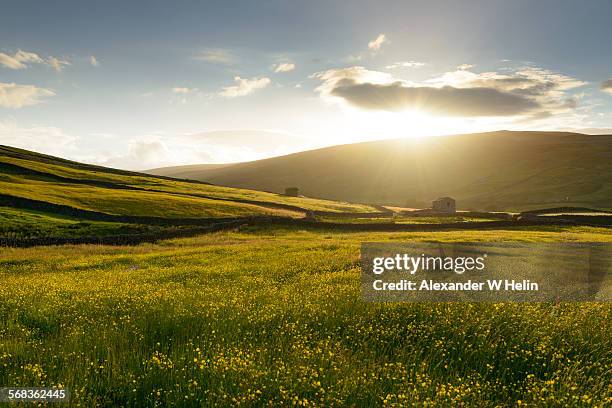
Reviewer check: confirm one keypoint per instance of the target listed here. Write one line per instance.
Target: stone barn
(292, 191)
(444, 204)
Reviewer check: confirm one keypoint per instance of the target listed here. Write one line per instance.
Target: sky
(145, 84)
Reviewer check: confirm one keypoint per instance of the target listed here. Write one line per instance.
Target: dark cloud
(446, 100)
(607, 85)
(529, 92)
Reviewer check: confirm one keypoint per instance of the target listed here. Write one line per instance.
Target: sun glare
(403, 124)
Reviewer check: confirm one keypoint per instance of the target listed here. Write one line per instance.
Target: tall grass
(271, 316)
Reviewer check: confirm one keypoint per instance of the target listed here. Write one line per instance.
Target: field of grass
(273, 316)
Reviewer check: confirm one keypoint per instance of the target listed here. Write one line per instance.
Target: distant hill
(487, 171)
(191, 171)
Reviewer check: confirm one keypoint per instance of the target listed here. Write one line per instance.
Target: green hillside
(23, 223)
(487, 171)
(47, 179)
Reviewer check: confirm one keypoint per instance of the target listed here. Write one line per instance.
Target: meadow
(272, 316)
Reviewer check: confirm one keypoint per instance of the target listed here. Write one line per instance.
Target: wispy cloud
(183, 90)
(19, 60)
(217, 56)
(377, 43)
(464, 67)
(374, 47)
(57, 64)
(244, 86)
(606, 86)
(405, 64)
(283, 67)
(17, 96)
(22, 59)
(93, 61)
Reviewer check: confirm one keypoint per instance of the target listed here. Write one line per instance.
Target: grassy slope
(129, 202)
(498, 170)
(18, 223)
(274, 316)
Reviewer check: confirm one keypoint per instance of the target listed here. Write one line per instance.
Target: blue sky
(145, 84)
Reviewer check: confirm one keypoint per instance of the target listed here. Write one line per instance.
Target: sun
(353, 125)
(401, 124)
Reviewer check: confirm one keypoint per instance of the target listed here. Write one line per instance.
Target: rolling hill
(487, 171)
(45, 182)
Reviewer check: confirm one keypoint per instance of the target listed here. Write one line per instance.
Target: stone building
(444, 204)
(292, 191)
